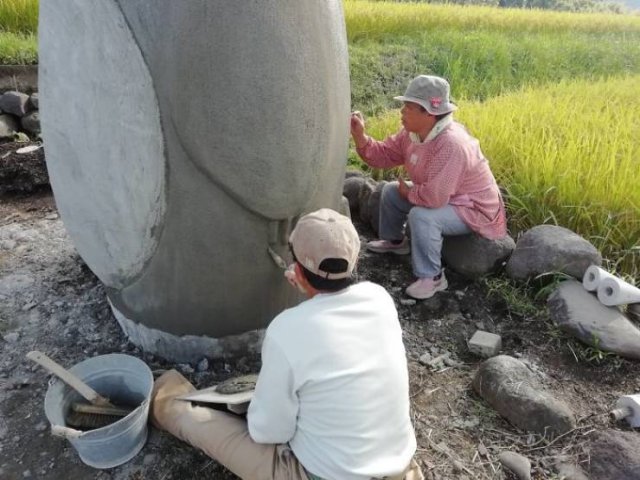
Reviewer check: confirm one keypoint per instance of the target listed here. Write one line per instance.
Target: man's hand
(403, 188)
(357, 129)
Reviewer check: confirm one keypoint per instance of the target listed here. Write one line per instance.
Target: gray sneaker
(385, 246)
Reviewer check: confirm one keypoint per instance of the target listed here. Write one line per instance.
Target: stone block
(485, 344)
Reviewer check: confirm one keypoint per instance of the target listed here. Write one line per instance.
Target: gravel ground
(50, 301)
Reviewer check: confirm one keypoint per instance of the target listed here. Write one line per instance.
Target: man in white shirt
(332, 397)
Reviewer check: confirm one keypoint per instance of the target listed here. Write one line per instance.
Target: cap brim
(425, 105)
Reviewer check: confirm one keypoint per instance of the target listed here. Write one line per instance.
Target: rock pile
(19, 113)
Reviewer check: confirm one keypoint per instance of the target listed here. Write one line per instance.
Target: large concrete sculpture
(183, 139)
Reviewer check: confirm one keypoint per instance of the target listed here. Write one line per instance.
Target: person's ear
(303, 282)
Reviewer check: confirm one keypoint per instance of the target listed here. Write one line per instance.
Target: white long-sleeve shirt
(334, 385)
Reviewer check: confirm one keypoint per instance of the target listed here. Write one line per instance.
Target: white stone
(485, 344)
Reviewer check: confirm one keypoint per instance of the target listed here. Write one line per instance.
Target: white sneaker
(385, 246)
(424, 288)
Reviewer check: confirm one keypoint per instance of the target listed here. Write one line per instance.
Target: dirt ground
(50, 301)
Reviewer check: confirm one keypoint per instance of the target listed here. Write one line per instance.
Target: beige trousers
(225, 437)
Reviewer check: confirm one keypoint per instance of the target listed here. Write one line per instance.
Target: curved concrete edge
(188, 348)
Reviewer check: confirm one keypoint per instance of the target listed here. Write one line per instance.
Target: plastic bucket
(123, 379)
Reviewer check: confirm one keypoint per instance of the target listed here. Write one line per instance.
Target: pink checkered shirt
(449, 169)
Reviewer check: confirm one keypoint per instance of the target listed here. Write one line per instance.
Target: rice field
(19, 16)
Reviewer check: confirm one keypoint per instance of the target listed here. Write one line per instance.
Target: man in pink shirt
(452, 189)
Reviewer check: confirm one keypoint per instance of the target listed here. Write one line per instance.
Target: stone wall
(19, 115)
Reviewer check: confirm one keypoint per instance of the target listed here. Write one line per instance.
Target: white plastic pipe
(593, 277)
(628, 408)
(615, 291)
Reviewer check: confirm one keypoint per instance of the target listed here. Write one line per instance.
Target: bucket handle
(65, 432)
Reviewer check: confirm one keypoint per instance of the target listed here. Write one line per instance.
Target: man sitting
(332, 397)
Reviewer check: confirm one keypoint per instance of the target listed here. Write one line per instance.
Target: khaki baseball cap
(431, 92)
(322, 235)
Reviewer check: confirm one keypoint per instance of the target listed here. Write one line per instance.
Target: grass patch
(18, 48)
(19, 16)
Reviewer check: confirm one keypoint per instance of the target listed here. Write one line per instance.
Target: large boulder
(33, 99)
(351, 190)
(549, 248)
(15, 103)
(373, 205)
(515, 392)
(614, 455)
(366, 190)
(474, 256)
(31, 122)
(580, 313)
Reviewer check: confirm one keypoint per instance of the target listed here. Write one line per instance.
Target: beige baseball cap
(431, 92)
(322, 235)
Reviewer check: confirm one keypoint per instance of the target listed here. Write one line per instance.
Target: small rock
(435, 362)
(482, 450)
(485, 344)
(568, 471)
(203, 365)
(149, 459)
(185, 368)
(26, 474)
(28, 306)
(425, 358)
(41, 427)
(52, 216)
(517, 463)
(450, 362)
(11, 337)
(407, 302)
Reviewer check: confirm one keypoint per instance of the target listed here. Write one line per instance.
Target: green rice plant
(18, 48)
(567, 154)
(19, 16)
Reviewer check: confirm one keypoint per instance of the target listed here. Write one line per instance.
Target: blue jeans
(427, 225)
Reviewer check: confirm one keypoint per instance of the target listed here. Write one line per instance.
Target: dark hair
(329, 265)
(442, 115)
(328, 284)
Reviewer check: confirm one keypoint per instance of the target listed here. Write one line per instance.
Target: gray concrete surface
(205, 128)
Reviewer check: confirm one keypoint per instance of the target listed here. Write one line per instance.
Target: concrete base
(188, 348)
